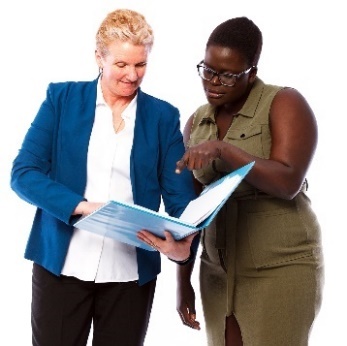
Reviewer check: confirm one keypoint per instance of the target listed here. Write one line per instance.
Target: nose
(132, 74)
(215, 80)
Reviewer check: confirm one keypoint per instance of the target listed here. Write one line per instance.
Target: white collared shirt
(92, 257)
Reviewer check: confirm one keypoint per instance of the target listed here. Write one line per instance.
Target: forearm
(268, 175)
(42, 192)
(184, 272)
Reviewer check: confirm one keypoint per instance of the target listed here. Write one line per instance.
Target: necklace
(117, 128)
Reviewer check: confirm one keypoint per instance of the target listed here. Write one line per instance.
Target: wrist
(185, 261)
(80, 208)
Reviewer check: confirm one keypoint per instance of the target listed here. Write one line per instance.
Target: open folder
(122, 221)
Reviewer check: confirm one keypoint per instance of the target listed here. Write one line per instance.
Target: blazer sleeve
(33, 170)
(177, 189)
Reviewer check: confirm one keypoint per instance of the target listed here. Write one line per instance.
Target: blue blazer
(50, 169)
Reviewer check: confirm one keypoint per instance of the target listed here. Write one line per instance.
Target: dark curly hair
(239, 33)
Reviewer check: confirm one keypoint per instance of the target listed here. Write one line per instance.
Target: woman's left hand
(177, 250)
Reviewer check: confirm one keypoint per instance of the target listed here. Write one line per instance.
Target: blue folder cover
(122, 221)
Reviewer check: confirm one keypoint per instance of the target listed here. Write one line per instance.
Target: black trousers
(63, 309)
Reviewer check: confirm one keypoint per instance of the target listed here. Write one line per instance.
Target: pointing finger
(180, 166)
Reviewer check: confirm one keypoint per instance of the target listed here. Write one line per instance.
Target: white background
(304, 47)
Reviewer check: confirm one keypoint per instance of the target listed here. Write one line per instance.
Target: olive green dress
(262, 258)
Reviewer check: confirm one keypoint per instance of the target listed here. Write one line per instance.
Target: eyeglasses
(226, 78)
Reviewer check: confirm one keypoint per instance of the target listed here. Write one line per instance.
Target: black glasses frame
(233, 76)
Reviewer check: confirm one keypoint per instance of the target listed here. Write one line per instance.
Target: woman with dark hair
(261, 270)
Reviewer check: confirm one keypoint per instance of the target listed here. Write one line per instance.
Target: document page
(204, 205)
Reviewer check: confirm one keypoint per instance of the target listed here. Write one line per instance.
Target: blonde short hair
(124, 25)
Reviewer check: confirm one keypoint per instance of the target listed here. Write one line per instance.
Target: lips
(213, 93)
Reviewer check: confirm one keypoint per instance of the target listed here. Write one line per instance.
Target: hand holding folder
(122, 221)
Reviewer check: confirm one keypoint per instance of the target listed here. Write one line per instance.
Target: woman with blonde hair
(91, 142)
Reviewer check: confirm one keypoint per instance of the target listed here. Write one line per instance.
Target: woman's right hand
(84, 208)
(200, 155)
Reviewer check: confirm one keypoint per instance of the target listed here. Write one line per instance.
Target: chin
(215, 101)
(127, 93)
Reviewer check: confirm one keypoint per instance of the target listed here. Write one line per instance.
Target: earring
(100, 70)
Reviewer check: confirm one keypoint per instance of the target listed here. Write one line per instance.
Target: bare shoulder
(292, 120)
(289, 105)
(290, 99)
